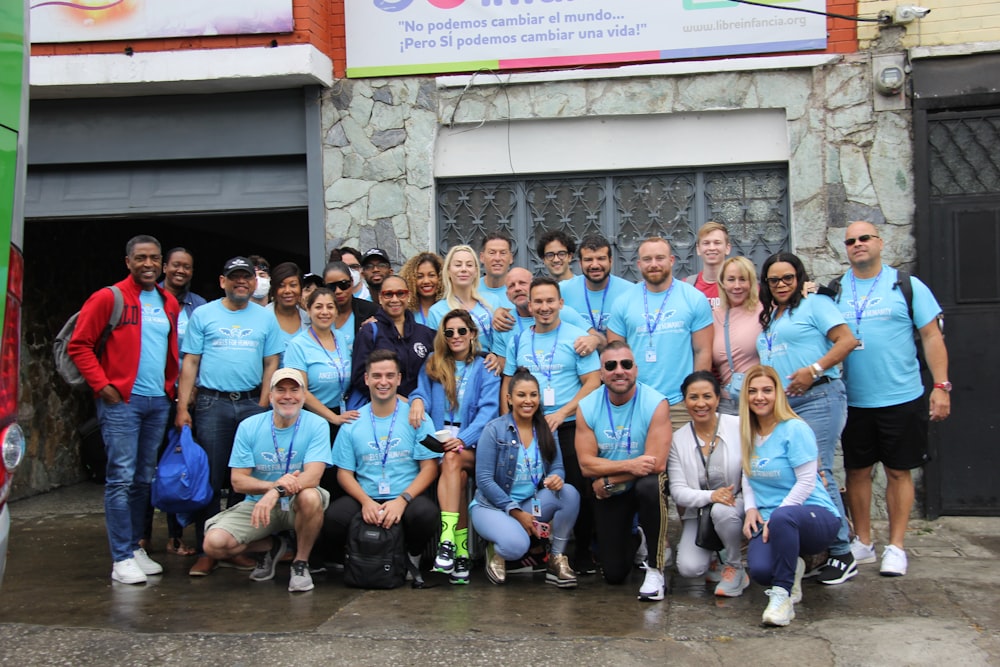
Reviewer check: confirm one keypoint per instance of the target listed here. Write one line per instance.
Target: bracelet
(818, 370)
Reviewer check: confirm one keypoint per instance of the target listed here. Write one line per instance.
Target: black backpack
(375, 556)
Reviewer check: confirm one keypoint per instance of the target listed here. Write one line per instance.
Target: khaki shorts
(236, 519)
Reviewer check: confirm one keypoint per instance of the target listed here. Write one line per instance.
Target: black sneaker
(838, 569)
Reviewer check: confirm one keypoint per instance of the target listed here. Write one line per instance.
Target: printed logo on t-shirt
(664, 323)
(869, 307)
(235, 336)
(153, 314)
(616, 440)
(377, 453)
(758, 467)
(274, 461)
(544, 364)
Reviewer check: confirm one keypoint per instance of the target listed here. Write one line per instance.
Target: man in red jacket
(133, 381)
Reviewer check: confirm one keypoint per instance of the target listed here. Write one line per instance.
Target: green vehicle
(14, 50)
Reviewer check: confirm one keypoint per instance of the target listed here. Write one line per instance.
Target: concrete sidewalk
(59, 606)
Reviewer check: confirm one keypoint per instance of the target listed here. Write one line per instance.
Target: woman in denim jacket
(519, 473)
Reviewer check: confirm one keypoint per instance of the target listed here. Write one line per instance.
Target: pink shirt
(744, 327)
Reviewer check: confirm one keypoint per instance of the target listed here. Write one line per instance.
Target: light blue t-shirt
(502, 339)
(374, 457)
(287, 337)
(232, 345)
(798, 338)
(347, 331)
(497, 296)
(529, 463)
(482, 316)
(625, 437)
(885, 371)
(772, 467)
(598, 312)
(552, 360)
(150, 377)
(254, 447)
(672, 316)
(329, 372)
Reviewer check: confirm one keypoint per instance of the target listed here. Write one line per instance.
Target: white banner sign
(395, 37)
(101, 20)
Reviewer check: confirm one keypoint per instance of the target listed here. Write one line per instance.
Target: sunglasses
(612, 364)
(451, 333)
(864, 238)
(342, 285)
(788, 279)
(398, 294)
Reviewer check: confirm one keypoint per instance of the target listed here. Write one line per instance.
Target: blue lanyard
(535, 468)
(604, 300)
(388, 437)
(459, 386)
(291, 443)
(769, 338)
(859, 312)
(650, 328)
(552, 355)
(421, 315)
(484, 322)
(611, 419)
(340, 357)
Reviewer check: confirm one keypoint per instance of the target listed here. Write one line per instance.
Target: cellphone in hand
(542, 529)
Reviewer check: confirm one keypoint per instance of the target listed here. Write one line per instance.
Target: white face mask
(356, 277)
(263, 287)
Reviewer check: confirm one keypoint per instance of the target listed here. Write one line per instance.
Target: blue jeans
(508, 535)
(824, 408)
(132, 434)
(792, 530)
(215, 421)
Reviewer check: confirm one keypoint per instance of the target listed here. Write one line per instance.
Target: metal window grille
(752, 202)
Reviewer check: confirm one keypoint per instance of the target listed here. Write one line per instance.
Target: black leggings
(421, 520)
(583, 530)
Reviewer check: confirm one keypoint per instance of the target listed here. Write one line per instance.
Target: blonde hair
(409, 274)
(750, 273)
(440, 366)
(749, 426)
(710, 227)
(449, 291)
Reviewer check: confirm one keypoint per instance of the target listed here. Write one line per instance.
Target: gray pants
(692, 560)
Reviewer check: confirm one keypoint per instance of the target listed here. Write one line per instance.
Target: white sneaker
(653, 586)
(145, 563)
(128, 572)
(800, 569)
(893, 562)
(863, 553)
(780, 610)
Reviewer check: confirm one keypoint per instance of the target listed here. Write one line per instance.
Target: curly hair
(409, 274)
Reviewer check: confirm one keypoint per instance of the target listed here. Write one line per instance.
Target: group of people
(574, 403)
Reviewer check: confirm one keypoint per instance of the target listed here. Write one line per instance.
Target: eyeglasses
(561, 254)
(864, 238)
(787, 279)
(612, 364)
(354, 267)
(377, 265)
(451, 333)
(342, 285)
(398, 294)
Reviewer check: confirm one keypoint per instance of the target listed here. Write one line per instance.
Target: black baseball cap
(375, 253)
(237, 264)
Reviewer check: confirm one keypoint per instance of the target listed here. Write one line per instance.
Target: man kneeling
(277, 461)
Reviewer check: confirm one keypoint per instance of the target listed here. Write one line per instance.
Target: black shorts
(895, 435)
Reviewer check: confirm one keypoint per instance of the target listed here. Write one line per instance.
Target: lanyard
(291, 443)
(459, 387)
(611, 419)
(604, 300)
(650, 328)
(485, 327)
(535, 468)
(421, 315)
(552, 356)
(340, 357)
(388, 437)
(711, 446)
(769, 338)
(859, 311)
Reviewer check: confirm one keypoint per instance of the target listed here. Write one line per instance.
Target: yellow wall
(950, 22)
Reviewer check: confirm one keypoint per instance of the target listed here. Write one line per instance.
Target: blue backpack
(181, 484)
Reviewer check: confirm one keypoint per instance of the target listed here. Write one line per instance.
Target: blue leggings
(792, 530)
(508, 535)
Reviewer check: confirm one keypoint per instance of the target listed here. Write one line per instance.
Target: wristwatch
(281, 490)
(943, 385)
(407, 497)
(609, 486)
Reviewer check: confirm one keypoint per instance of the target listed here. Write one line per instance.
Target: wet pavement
(59, 606)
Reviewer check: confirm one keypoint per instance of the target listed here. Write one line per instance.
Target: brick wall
(950, 22)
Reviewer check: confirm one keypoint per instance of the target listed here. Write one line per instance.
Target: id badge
(861, 344)
(285, 504)
(343, 406)
(383, 487)
(453, 430)
(548, 397)
(650, 355)
(536, 508)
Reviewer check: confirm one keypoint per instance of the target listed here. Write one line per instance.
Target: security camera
(909, 13)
